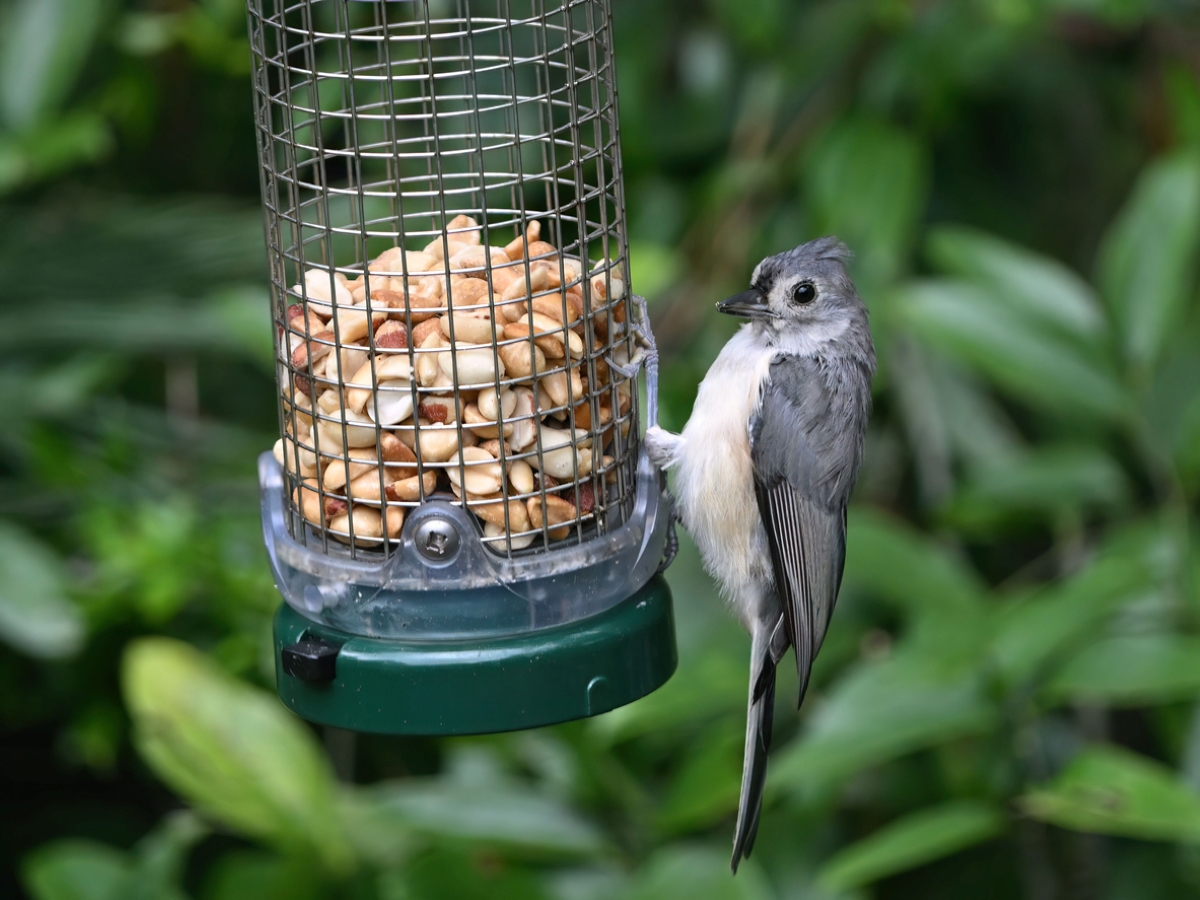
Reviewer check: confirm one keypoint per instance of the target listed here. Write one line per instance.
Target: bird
(762, 472)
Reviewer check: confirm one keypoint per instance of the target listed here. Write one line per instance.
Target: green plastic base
(477, 687)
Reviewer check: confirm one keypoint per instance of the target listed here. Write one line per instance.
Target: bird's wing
(800, 461)
(808, 549)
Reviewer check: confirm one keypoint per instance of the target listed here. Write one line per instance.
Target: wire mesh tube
(456, 343)
(444, 219)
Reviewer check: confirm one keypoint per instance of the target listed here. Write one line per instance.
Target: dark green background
(1006, 704)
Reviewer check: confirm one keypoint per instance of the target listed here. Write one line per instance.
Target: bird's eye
(804, 293)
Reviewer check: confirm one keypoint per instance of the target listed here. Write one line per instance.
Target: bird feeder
(458, 512)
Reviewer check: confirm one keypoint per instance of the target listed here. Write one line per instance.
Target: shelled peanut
(459, 367)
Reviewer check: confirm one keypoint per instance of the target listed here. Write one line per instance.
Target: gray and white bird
(764, 469)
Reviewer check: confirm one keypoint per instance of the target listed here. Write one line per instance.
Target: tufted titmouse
(765, 466)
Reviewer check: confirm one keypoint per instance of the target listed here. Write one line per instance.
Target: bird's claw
(630, 370)
(646, 351)
(672, 546)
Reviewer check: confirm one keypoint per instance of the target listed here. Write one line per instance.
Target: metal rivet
(437, 539)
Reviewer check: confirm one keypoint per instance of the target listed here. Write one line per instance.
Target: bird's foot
(662, 447)
(630, 369)
(672, 546)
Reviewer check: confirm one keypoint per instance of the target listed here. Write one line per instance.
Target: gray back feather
(811, 424)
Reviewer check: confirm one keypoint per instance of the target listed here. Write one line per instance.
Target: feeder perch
(458, 512)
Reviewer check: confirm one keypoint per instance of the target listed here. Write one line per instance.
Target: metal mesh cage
(445, 228)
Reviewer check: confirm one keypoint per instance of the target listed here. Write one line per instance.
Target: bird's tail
(758, 740)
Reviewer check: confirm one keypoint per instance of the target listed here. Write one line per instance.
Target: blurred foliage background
(1007, 702)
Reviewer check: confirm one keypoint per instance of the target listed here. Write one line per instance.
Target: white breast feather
(714, 483)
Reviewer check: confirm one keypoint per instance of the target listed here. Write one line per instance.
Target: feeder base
(477, 687)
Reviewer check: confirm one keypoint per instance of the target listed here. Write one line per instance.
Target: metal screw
(437, 539)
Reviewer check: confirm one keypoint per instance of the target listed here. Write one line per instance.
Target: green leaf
(1111, 790)
(1116, 13)
(162, 856)
(85, 870)
(505, 816)
(53, 146)
(895, 562)
(36, 617)
(1147, 261)
(1047, 481)
(42, 51)
(77, 870)
(941, 596)
(912, 841)
(867, 181)
(245, 312)
(652, 267)
(705, 686)
(232, 750)
(976, 424)
(1171, 407)
(1183, 94)
(1030, 633)
(879, 712)
(1020, 357)
(126, 251)
(1033, 285)
(255, 875)
(377, 834)
(1132, 670)
(160, 325)
(56, 391)
(709, 779)
(689, 872)
(453, 873)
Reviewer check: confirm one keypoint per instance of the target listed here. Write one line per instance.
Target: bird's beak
(751, 303)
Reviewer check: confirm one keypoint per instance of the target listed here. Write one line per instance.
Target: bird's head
(805, 290)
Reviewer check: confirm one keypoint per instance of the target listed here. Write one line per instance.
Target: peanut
(561, 389)
(317, 288)
(467, 328)
(469, 293)
(492, 510)
(439, 410)
(313, 506)
(477, 258)
(518, 542)
(321, 344)
(391, 335)
(360, 461)
(440, 248)
(370, 485)
(520, 476)
(427, 360)
(493, 404)
(522, 358)
(437, 442)
(487, 335)
(410, 489)
(525, 422)
(475, 366)
(359, 431)
(427, 327)
(481, 426)
(516, 248)
(465, 230)
(555, 512)
(479, 474)
(560, 456)
(368, 525)
(396, 260)
(296, 459)
(548, 334)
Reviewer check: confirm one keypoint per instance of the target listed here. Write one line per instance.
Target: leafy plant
(1006, 703)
